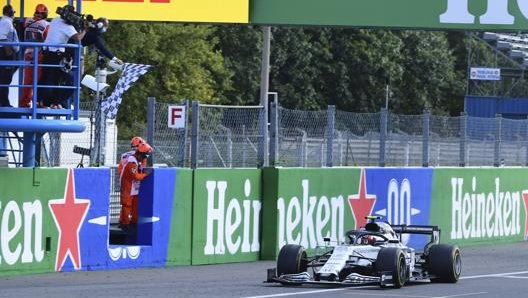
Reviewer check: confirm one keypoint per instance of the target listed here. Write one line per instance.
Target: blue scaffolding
(35, 121)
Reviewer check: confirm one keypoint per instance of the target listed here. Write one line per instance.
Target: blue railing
(34, 111)
(35, 121)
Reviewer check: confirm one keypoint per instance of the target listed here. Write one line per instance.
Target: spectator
(60, 31)
(130, 181)
(35, 30)
(7, 33)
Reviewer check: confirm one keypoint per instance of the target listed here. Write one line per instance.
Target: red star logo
(525, 199)
(69, 214)
(362, 203)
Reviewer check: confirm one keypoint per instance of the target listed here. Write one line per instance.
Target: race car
(373, 255)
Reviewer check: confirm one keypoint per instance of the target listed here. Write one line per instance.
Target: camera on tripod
(82, 151)
(68, 14)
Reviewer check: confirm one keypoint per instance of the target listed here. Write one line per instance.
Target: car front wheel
(292, 259)
(392, 259)
(445, 263)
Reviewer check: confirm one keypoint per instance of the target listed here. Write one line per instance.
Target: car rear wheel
(292, 259)
(445, 263)
(392, 259)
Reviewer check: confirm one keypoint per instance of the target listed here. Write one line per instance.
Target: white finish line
(297, 293)
(506, 274)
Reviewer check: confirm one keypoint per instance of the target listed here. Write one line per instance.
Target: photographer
(61, 30)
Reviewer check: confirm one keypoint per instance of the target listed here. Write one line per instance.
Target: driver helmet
(367, 239)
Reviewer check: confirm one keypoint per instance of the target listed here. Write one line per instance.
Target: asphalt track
(491, 271)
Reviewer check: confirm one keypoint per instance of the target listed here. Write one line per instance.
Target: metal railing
(230, 136)
(35, 121)
(34, 65)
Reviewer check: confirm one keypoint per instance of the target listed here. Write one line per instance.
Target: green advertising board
(226, 215)
(179, 250)
(480, 205)
(26, 225)
(412, 14)
(306, 205)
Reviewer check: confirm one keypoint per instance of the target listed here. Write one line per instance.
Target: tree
(294, 69)
(241, 47)
(429, 74)
(185, 63)
(311, 67)
(362, 63)
(458, 43)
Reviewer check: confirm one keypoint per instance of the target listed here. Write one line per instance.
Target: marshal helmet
(136, 141)
(41, 11)
(144, 148)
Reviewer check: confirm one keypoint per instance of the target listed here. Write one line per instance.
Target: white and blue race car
(373, 255)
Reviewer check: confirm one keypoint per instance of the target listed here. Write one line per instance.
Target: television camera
(68, 14)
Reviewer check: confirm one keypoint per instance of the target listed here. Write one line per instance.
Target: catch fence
(232, 137)
(219, 136)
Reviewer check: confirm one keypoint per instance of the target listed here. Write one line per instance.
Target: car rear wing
(433, 231)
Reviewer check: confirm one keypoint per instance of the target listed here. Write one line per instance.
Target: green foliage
(363, 62)
(185, 63)
(429, 73)
(294, 71)
(310, 67)
(241, 47)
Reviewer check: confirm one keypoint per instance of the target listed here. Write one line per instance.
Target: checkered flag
(131, 73)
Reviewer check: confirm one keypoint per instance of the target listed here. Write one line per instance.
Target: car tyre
(392, 259)
(445, 263)
(292, 259)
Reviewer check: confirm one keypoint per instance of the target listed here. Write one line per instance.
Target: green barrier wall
(226, 215)
(239, 215)
(179, 250)
(481, 205)
(26, 221)
(305, 205)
